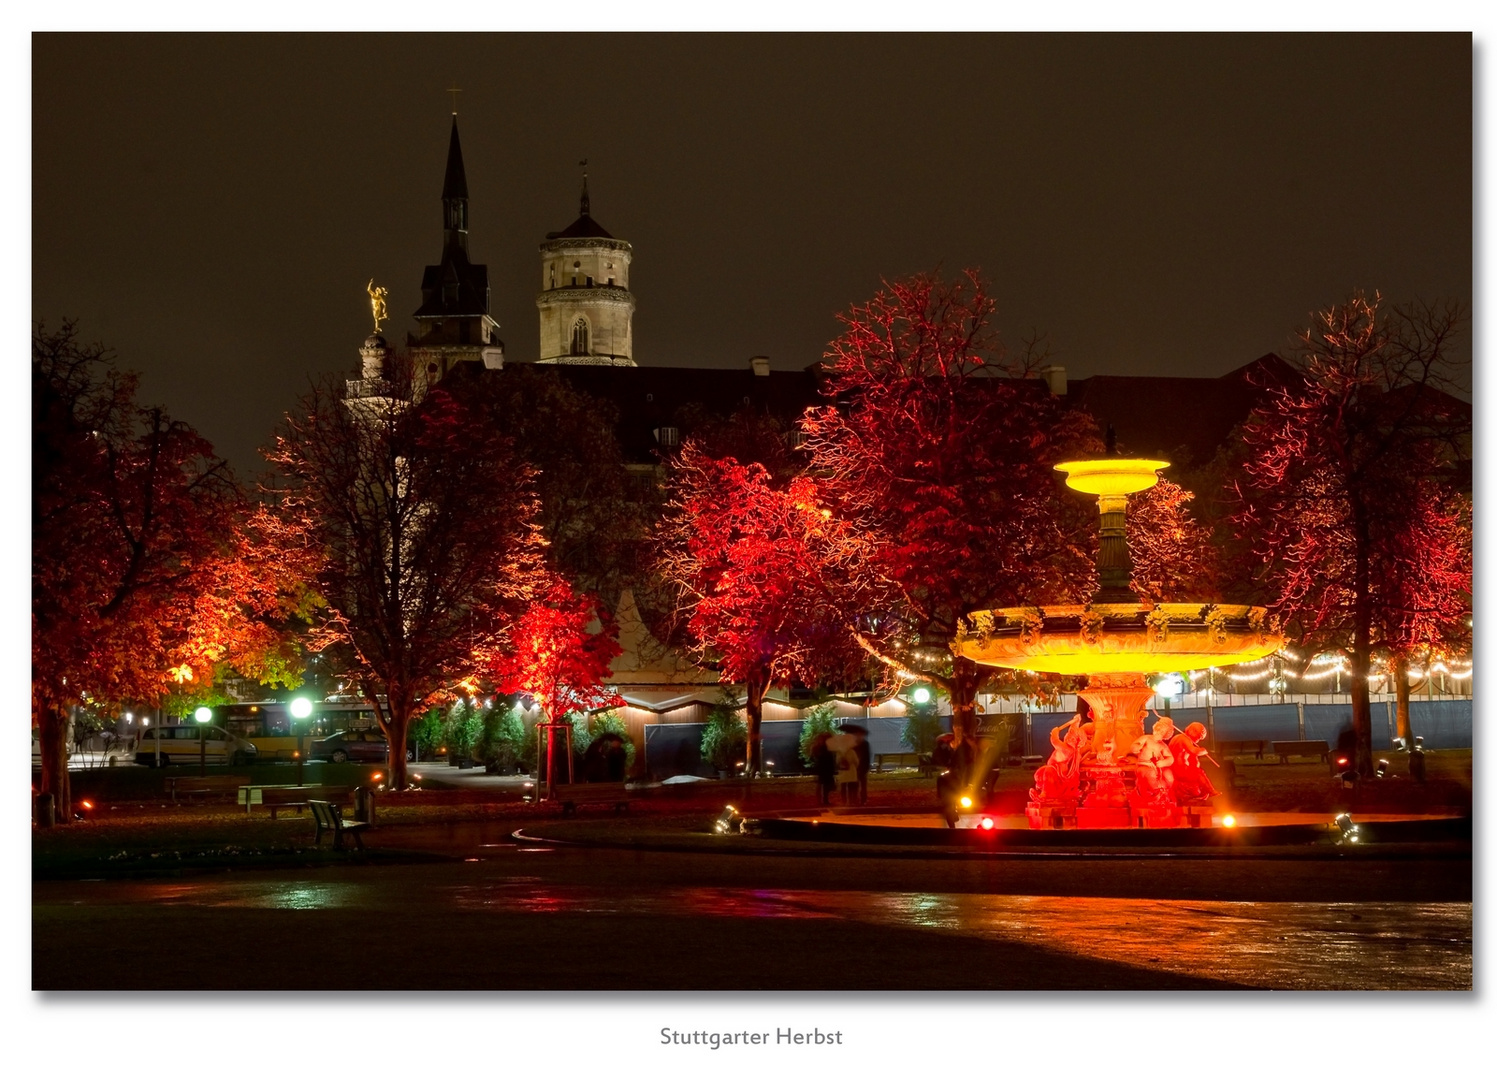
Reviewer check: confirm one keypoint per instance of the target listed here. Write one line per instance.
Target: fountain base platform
(1013, 832)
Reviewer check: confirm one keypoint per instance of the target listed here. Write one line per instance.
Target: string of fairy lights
(1324, 673)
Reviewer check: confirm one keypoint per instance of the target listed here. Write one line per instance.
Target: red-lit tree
(945, 455)
(1173, 554)
(139, 575)
(552, 655)
(420, 519)
(1350, 488)
(760, 567)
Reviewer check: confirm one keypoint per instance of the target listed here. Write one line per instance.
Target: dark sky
(1156, 204)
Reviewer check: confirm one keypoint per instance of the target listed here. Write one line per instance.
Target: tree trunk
(754, 690)
(1401, 688)
(962, 689)
(52, 724)
(397, 728)
(1361, 649)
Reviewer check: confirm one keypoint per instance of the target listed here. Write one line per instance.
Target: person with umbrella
(864, 754)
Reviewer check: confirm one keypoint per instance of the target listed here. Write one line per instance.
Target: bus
(279, 737)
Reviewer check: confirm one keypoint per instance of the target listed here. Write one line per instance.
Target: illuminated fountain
(1111, 772)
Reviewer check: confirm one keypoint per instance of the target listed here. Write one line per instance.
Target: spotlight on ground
(987, 823)
(729, 821)
(1351, 833)
(1229, 822)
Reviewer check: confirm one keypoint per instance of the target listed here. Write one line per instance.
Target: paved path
(523, 915)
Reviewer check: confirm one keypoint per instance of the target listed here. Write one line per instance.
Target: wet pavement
(510, 914)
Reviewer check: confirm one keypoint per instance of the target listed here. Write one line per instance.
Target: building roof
(455, 184)
(649, 398)
(584, 228)
(1182, 420)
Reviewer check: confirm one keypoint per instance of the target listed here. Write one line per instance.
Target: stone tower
(586, 308)
(453, 320)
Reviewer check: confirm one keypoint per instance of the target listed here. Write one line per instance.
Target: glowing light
(86, 804)
(987, 823)
(1112, 476)
(301, 708)
(381, 776)
(966, 803)
(1169, 685)
(921, 696)
(1229, 822)
(202, 714)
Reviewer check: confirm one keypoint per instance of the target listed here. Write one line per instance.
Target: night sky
(212, 207)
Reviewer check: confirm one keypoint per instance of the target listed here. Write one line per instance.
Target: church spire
(455, 196)
(585, 203)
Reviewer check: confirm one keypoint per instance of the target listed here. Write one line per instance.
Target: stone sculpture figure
(1192, 785)
(1154, 780)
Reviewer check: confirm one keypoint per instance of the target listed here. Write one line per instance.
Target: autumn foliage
(1352, 489)
(935, 442)
(760, 567)
(552, 655)
(147, 573)
(420, 520)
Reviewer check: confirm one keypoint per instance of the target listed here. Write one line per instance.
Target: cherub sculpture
(1191, 782)
(1154, 780)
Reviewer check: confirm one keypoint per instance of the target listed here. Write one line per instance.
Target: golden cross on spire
(454, 91)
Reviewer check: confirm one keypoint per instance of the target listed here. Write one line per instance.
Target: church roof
(455, 184)
(583, 228)
(471, 295)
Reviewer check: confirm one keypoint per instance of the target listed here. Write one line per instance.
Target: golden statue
(377, 304)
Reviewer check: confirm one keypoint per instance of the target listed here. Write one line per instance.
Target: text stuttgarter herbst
(781, 1037)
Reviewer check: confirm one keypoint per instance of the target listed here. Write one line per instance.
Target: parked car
(163, 745)
(368, 745)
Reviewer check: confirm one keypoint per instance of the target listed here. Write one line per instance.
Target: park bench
(903, 760)
(284, 796)
(1233, 747)
(178, 786)
(1311, 748)
(330, 818)
(571, 796)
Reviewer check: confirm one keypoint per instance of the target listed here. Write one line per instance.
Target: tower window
(579, 338)
(589, 283)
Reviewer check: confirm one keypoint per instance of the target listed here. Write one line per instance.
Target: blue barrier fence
(676, 749)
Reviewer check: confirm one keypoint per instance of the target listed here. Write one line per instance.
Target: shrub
(609, 721)
(428, 731)
(463, 728)
(725, 738)
(922, 727)
(819, 718)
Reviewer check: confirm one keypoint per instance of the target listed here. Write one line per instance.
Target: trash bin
(46, 810)
(363, 805)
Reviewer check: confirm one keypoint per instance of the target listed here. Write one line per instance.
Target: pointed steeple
(455, 195)
(586, 212)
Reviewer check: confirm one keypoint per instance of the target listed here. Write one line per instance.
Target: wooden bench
(204, 785)
(1232, 747)
(907, 761)
(571, 796)
(330, 819)
(281, 797)
(1311, 748)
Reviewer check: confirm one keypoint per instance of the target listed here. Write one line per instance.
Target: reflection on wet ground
(1280, 945)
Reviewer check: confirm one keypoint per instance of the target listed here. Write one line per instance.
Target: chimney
(1055, 375)
(760, 364)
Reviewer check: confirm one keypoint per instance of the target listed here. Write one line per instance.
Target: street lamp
(202, 716)
(301, 708)
(921, 695)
